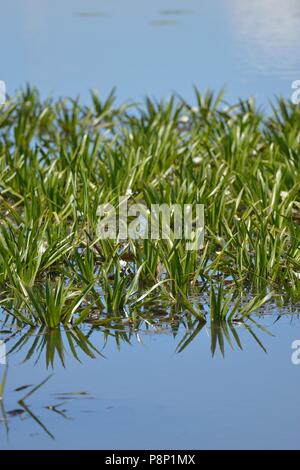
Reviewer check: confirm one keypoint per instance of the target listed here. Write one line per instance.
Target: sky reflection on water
(66, 48)
(145, 395)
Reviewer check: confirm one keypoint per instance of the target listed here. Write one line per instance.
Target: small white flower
(184, 119)
(284, 194)
(197, 160)
(43, 247)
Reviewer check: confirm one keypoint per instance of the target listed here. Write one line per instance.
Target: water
(144, 394)
(67, 47)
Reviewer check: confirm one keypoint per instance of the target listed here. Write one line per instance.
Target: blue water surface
(146, 395)
(68, 47)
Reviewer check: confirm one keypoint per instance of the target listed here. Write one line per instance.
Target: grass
(60, 159)
(3, 383)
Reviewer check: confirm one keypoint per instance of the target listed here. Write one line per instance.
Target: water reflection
(146, 382)
(268, 33)
(260, 40)
(23, 410)
(51, 345)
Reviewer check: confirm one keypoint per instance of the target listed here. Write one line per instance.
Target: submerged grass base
(59, 160)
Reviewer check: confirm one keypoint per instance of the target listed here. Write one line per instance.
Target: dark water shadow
(90, 14)
(24, 410)
(176, 12)
(160, 23)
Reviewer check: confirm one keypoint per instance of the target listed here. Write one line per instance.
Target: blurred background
(66, 47)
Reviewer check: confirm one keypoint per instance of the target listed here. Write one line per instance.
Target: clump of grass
(60, 159)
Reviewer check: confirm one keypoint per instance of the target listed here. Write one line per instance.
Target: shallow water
(147, 395)
(66, 48)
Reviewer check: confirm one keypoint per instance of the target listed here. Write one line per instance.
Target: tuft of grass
(60, 159)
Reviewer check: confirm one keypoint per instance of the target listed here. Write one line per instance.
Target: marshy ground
(60, 160)
(67, 292)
